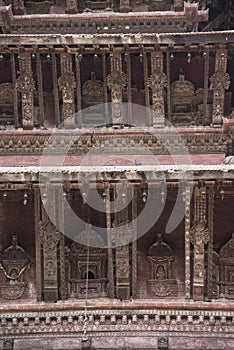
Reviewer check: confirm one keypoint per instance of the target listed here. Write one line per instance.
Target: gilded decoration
(13, 264)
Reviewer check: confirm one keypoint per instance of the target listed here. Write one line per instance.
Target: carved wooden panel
(182, 97)
(93, 96)
(78, 268)
(161, 282)
(14, 261)
(6, 102)
(227, 269)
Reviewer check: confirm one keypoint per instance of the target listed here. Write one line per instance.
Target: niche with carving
(79, 267)
(97, 5)
(161, 282)
(226, 261)
(182, 99)
(14, 261)
(92, 101)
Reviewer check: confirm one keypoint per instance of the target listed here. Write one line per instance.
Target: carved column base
(50, 294)
(198, 293)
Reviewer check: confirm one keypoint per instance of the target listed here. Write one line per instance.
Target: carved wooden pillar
(71, 6)
(55, 90)
(124, 5)
(105, 92)
(168, 86)
(116, 81)
(13, 79)
(134, 241)
(122, 251)
(157, 82)
(18, 7)
(78, 90)
(210, 265)
(40, 89)
(61, 213)
(219, 82)
(199, 237)
(26, 85)
(109, 230)
(205, 95)
(66, 84)
(49, 238)
(187, 244)
(147, 97)
(37, 218)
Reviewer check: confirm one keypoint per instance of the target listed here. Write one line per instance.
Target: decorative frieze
(25, 84)
(116, 81)
(66, 83)
(219, 82)
(157, 82)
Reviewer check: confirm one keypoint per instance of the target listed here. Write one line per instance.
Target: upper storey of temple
(103, 16)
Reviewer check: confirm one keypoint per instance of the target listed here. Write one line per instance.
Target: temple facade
(116, 174)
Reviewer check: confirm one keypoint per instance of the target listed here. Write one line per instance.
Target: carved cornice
(118, 323)
(34, 143)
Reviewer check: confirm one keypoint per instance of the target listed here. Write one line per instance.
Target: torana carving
(182, 99)
(161, 282)
(13, 264)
